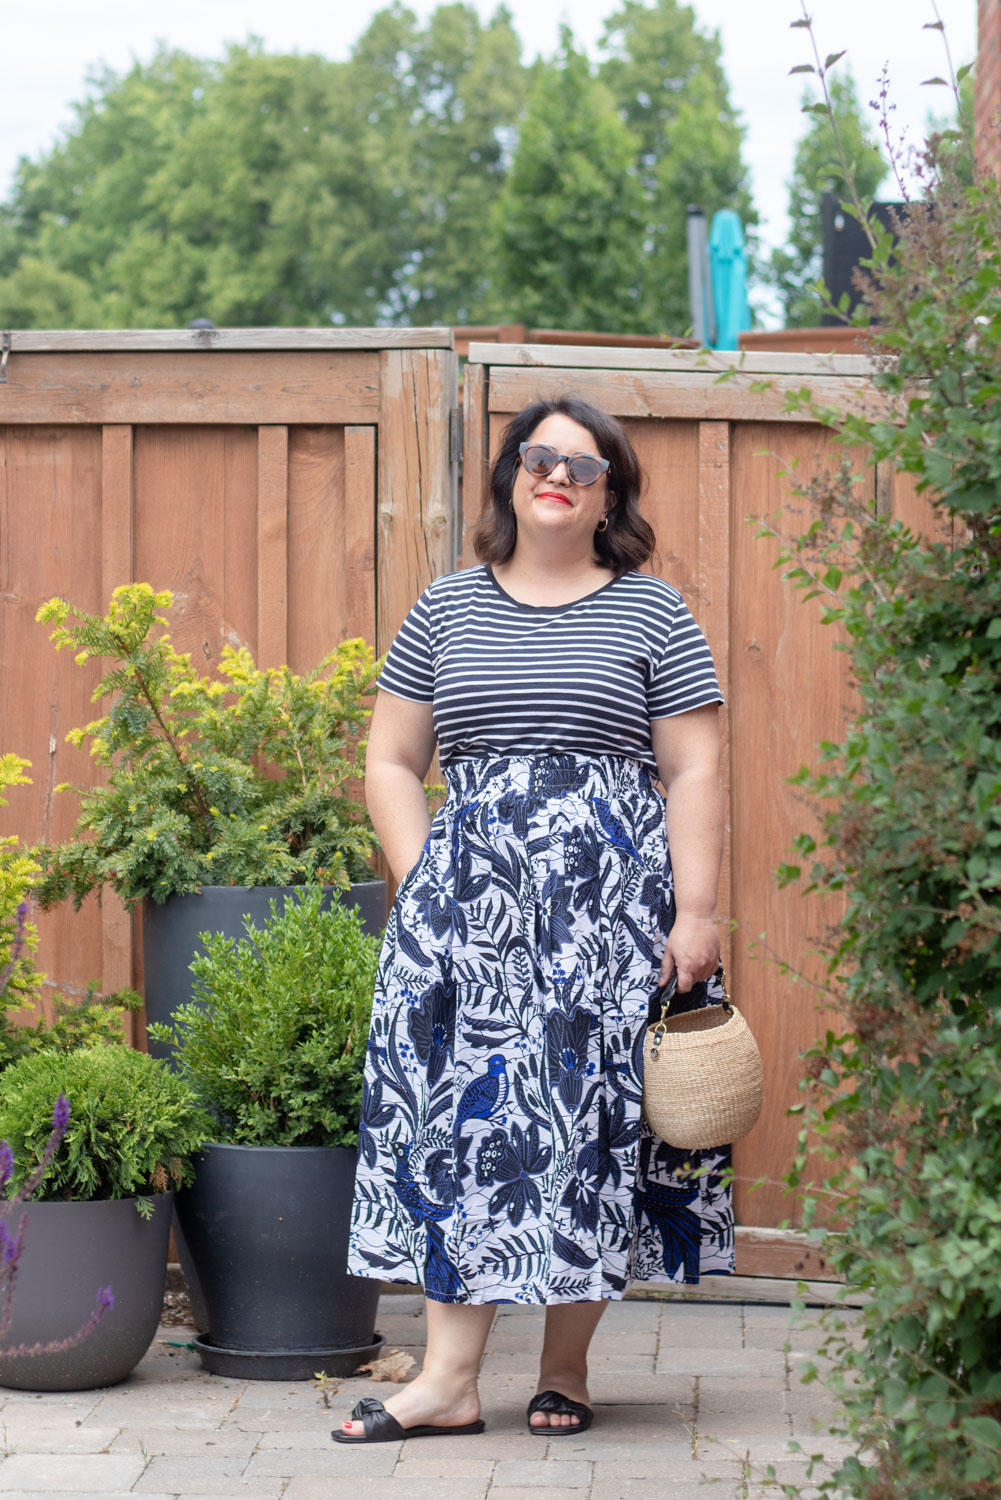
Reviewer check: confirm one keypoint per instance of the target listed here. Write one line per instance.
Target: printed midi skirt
(502, 1153)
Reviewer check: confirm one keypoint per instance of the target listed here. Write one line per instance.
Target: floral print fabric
(502, 1154)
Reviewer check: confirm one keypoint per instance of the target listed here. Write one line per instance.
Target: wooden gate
(292, 487)
(717, 451)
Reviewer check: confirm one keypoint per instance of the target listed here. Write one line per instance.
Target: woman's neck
(536, 578)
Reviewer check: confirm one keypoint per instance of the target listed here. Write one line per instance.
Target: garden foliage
(275, 1040)
(907, 1097)
(246, 778)
(133, 1124)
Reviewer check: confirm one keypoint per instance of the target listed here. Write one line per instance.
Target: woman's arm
(686, 749)
(400, 748)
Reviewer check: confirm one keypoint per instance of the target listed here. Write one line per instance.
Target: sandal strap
(376, 1420)
(555, 1401)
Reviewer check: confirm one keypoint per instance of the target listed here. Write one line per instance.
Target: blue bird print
(485, 1095)
(441, 1278)
(408, 1192)
(615, 829)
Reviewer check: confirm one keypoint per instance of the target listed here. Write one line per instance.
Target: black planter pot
(170, 933)
(70, 1250)
(264, 1233)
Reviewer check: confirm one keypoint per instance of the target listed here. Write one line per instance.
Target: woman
(502, 1153)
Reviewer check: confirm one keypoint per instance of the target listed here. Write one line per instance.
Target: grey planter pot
(72, 1249)
(170, 933)
(264, 1232)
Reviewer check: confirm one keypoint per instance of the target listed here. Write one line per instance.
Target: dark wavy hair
(627, 541)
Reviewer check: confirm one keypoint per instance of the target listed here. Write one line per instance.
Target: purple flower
(61, 1115)
(6, 1164)
(106, 1298)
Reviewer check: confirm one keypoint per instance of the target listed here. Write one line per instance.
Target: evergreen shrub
(133, 1124)
(274, 1042)
(245, 778)
(906, 1097)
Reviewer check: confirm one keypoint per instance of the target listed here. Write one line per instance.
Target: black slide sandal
(554, 1401)
(382, 1427)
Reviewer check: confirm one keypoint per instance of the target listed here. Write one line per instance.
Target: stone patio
(692, 1399)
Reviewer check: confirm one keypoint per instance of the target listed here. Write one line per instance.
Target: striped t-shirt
(506, 678)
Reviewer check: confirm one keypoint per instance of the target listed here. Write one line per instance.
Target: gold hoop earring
(602, 524)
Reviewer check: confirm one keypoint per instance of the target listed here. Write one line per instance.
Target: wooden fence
(297, 487)
(291, 487)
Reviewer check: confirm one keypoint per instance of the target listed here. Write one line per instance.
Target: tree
(568, 231)
(667, 80)
(271, 189)
(816, 170)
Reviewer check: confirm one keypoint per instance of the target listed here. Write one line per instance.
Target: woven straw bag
(702, 1078)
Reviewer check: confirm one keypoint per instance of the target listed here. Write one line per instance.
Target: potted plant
(100, 1212)
(275, 1045)
(221, 791)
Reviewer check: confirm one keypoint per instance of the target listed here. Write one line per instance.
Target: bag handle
(665, 993)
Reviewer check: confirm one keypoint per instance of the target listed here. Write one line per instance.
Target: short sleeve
(409, 669)
(684, 677)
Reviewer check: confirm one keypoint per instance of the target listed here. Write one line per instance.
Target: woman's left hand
(692, 951)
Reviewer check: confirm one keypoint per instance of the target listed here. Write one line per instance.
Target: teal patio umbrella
(728, 267)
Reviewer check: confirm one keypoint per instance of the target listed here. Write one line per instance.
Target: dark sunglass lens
(540, 459)
(584, 470)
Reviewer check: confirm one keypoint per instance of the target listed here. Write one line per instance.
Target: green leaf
(832, 58)
(984, 1430)
(925, 82)
(803, 68)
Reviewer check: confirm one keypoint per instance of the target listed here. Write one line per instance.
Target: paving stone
(84, 1473)
(441, 1468)
(590, 1447)
(720, 1487)
(316, 1463)
(552, 1492)
(701, 1360)
(76, 1495)
(53, 1437)
(392, 1489)
(217, 1475)
(172, 1442)
(526, 1473)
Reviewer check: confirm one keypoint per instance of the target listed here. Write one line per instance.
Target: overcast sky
(48, 47)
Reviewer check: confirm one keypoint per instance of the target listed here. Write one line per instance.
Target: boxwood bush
(274, 1042)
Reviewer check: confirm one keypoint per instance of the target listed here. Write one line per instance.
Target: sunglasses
(582, 468)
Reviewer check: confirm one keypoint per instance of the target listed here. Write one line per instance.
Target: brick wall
(988, 84)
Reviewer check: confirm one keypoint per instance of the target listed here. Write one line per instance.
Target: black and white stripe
(521, 679)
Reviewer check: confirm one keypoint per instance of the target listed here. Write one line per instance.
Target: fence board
(713, 604)
(475, 457)
(50, 522)
(272, 546)
(200, 340)
(693, 364)
(285, 386)
(678, 394)
(416, 504)
(116, 569)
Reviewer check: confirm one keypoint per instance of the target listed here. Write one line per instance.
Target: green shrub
(133, 1123)
(275, 1041)
(241, 779)
(907, 1097)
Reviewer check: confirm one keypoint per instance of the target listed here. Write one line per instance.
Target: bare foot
(572, 1383)
(426, 1403)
